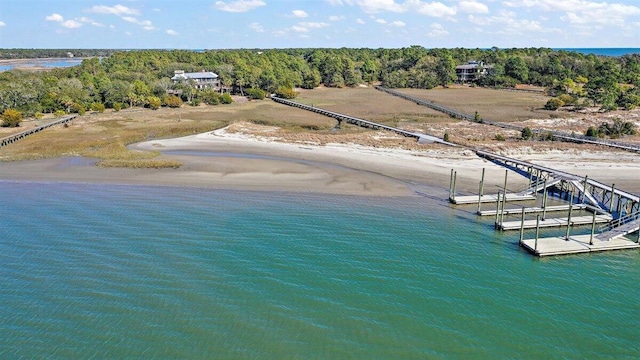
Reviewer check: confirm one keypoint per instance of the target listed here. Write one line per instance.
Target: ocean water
(106, 271)
(604, 51)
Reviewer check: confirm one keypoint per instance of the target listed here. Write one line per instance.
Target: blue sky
(222, 24)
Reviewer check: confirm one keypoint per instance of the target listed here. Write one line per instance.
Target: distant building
(200, 80)
(471, 71)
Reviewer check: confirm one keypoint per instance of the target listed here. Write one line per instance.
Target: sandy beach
(224, 159)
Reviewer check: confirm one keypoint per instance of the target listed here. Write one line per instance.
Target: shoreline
(236, 161)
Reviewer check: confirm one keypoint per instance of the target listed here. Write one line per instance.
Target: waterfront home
(199, 80)
(471, 71)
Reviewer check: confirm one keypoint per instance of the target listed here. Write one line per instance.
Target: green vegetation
(11, 118)
(121, 79)
(527, 133)
(616, 129)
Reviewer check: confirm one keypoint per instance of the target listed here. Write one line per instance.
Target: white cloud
(71, 24)
(375, 6)
(239, 5)
(300, 13)
(54, 17)
(156, 10)
(398, 23)
(473, 7)
(582, 12)
(314, 25)
(2, 23)
(509, 23)
(360, 21)
(146, 24)
(305, 26)
(435, 9)
(256, 27)
(89, 21)
(437, 30)
(381, 21)
(172, 32)
(114, 10)
(336, 18)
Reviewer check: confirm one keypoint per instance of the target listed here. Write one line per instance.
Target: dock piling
(613, 193)
(504, 204)
(453, 190)
(544, 199)
(535, 244)
(497, 210)
(522, 226)
(481, 190)
(593, 228)
(569, 218)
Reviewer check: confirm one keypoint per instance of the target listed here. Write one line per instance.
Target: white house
(471, 71)
(200, 80)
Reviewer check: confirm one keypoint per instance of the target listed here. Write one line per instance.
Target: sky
(233, 24)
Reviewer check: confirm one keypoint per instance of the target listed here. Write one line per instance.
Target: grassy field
(496, 105)
(105, 136)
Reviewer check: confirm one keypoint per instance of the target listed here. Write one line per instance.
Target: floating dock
(553, 222)
(576, 244)
(473, 199)
(532, 210)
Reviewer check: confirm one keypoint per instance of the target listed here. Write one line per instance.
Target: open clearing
(105, 136)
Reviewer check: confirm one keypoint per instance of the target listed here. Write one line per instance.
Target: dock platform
(532, 210)
(575, 245)
(492, 198)
(554, 222)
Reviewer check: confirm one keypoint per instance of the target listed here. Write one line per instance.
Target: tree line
(142, 77)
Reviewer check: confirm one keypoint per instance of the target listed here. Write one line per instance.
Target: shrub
(592, 131)
(210, 97)
(446, 136)
(99, 107)
(11, 118)
(59, 113)
(500, 137)
(38, 115)
(226, 99)
(527, 133)
(286, 93)
(554, 104)
(78, 108)
(567, 99)
(256, 94)
(172, 101)
(154, 102)
(196, 102)
(117, 106)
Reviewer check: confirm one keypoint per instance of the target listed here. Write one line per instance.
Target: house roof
(196, 75)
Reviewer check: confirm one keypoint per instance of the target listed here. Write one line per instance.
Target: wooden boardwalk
(422, 138)
(19, 136)
(576, 244)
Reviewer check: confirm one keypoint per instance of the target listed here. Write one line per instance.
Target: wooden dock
(492, 198)
(554, 222)
(576, 244)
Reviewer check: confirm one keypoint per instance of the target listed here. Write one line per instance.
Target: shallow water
(131, 271)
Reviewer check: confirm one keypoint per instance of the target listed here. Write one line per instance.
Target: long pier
(361, 122)
(19, 136)
(556, 135)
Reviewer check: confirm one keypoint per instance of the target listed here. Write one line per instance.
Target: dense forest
(118, 79)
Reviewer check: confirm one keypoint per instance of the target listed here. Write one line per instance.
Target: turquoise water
(110, 271)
